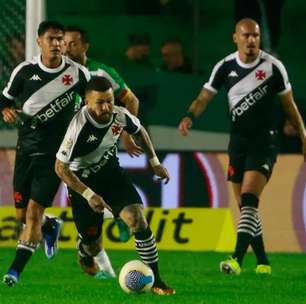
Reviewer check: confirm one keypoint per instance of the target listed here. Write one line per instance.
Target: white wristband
(88, 194)
(154, 161)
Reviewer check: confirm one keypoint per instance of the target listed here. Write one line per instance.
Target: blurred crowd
(173, 57)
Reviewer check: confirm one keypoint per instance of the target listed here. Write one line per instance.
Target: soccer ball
(136, 277)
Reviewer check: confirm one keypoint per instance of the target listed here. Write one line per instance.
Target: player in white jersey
(87, 163)
(43, 90)
(76, 48)
(252, 78)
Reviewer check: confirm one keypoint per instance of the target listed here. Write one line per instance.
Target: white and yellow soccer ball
(136, 277)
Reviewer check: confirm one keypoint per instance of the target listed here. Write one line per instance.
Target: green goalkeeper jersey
(99, 69)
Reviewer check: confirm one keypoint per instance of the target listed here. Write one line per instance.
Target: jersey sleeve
(119, 86)
(282, 83)
(130, 123)
(217, 78)
(67, 146)
(13, 87)
(84, 77)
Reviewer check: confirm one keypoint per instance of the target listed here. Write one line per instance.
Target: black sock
(258, 246)
(87, 259)
(146, 248)
(23, 254)
(246, 231)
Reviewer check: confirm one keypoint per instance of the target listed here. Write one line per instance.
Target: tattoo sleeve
(68, 177)
(131, 102)
(142, 138)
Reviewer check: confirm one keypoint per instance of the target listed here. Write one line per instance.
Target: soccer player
(252, 78)
(39, 96)
(87, 163)
(76, 47)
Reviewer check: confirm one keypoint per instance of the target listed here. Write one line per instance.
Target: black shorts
(253, 153)
(34, 178)
(116, 188)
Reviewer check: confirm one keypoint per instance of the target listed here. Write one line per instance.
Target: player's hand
(161, 173)
(185, 125)
(130, 146)
(98, 204)
(10, 115)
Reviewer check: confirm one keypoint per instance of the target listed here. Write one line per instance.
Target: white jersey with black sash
(46, 98)
(89, 145)
(251, 89)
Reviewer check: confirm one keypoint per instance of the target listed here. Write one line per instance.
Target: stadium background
(196, 211)
(194, 216)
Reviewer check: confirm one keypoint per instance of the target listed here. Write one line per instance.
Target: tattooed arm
(95, 201)
(143, 140)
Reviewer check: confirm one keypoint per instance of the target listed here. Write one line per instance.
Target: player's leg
(22, 187)
(262, 162)
(124, 231)
(237, 160)
(27, 244)
(93, 259)
(122, 196)
(20, 220)
(257, 242)
(51, 230)
(145, 244)
(252, 186)
(44, 188)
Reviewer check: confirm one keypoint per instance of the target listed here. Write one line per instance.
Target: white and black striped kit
(46, 97)
(250, 89)
(88, 144)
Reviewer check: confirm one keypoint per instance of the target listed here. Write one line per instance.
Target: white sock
(104, 263)
(108, 214)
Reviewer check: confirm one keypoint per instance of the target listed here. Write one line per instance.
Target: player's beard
(105, 118)
(75, 58)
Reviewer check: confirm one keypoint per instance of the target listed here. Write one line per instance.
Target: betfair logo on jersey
(57, 106)
(249, 101)
(91, 138)
(35, 77)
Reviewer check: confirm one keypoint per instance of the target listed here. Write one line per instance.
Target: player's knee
(137, 222)
(134, 217)
(34, 214)
(249, 200)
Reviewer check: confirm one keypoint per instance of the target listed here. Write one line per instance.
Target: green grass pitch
(194, 275)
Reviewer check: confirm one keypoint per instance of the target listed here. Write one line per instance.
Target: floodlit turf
(195, 276)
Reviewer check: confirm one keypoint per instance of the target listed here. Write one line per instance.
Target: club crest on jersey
(67, 79)
(18, 197)
(260, 74)
(116, 129)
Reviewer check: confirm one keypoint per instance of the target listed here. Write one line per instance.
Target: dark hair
(46, 25)
(98, 83)
(83, 33)
(172, 41)
(139, 39)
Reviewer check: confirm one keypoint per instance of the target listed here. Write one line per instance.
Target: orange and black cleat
(89, 265)
(161, 289)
